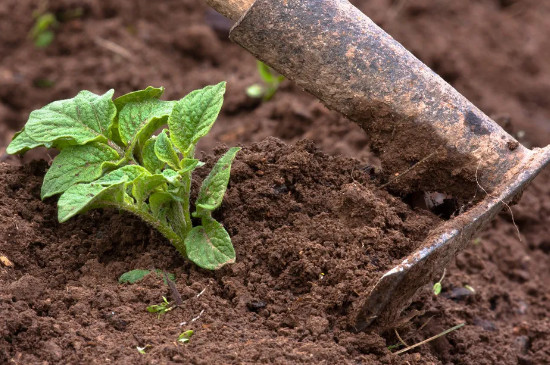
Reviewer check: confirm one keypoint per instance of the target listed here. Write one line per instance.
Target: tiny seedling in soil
(134, 276)
(271, 81)
(161, 308)
(437, 286)
(110, 157)
(42, 31)
(142, 350)
(185, 336)
(470, 288)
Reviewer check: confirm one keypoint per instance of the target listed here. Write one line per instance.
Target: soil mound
(311, 232)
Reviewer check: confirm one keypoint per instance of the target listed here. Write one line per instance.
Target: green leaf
(168, 209)
(138, 119)
(142, 350)
(213, 187)
(161, 308)
(159, 202)
(22, 142)
(176, 217)
(209, 245)
(165, 151)
(126, 173)
(138, 96)
(189, 164)
(150, 160)
(437, 288)
(82, 119)
(109, 190)
(44, 39)
(145, 184)
(133, 276)
(160, 273)
(77, 164)
(265, 72)
(171, 176)
(194, 115)
(83, 197)
(185, 336)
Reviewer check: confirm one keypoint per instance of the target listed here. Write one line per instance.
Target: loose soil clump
(312, 234)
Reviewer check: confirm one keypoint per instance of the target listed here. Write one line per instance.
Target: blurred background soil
(496, 52)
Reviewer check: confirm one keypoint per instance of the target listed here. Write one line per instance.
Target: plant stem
(165, 229)
(430, 339)
(186, 195)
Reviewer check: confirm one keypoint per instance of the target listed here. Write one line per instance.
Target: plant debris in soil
(312, 234)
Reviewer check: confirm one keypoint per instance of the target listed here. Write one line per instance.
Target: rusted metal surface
(397, 286)
(428, 136)
(332, 50)
(232, 9)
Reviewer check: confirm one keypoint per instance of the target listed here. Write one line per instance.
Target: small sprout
(477, 241)
(394, 346)
(43, 83)
(142, 350)
(161, 308)
(110, 157)
(41, 33)
(271, 81)
(437, 286)
(470, 288)
(185, 336)
(321, 276)
(255, 91)
(134, 276)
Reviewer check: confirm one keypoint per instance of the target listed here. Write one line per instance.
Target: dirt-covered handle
(232, 9)
(427, 135)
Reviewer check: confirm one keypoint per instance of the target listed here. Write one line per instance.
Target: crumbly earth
(60, 303)
(312, 233)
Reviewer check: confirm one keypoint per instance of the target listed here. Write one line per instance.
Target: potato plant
(110, 157)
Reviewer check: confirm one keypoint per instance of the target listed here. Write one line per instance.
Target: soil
(293, 211)
(311, 232)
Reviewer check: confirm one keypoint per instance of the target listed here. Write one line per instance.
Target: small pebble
(485, 324)
(458, 294)
(255, 305)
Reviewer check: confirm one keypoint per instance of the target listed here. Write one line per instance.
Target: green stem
(165, 229)
(186, 192)
(116, 147)
(186, 195)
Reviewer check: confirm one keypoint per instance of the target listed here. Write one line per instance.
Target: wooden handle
(232, 9)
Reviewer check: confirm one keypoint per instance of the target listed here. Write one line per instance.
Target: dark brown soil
(60, 302)
(311, 233)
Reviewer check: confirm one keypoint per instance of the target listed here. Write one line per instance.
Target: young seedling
(470, 288)
(142, 350)
(161, 308)
(110, 157)
(133, 276)
(437, 286)
(271, 81)
(185, 336)
(42, 32)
